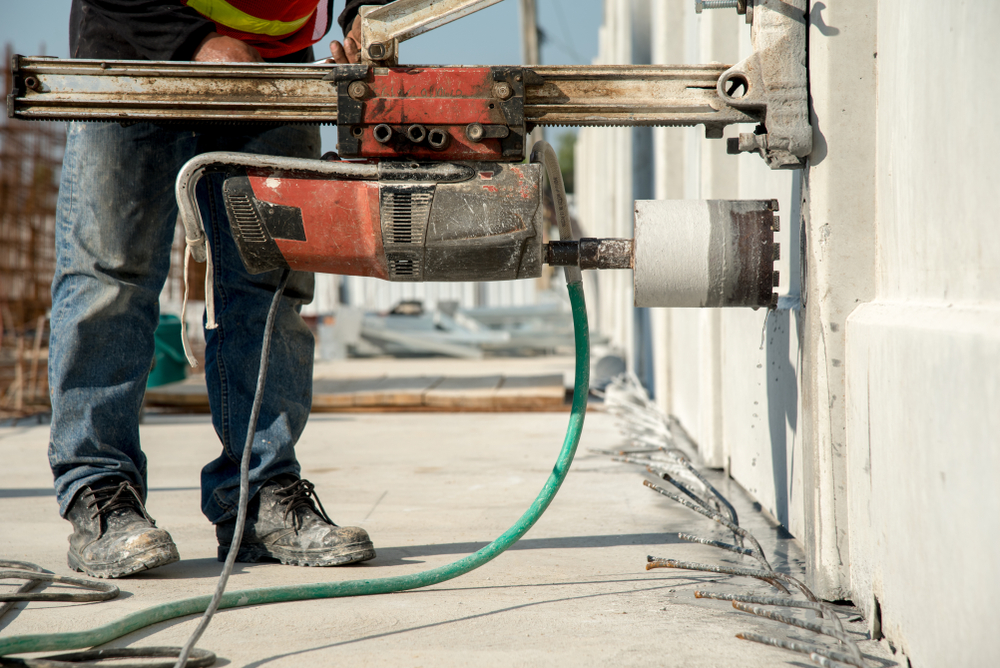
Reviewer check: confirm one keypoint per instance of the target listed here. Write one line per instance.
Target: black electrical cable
(241, 514)
(36, 575)
(200, 658)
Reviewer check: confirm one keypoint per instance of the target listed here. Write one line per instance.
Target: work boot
(113, 535)
(284, 524)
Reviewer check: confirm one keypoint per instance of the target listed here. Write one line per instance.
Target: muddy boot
(113, 536)
(284, 524)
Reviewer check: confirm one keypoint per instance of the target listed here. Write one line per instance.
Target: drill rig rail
(163, 92)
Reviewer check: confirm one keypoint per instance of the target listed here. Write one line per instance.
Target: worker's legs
(114, 228)
(283, 521)
(115, 225)
(232, 353)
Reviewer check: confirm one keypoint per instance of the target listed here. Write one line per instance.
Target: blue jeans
(115, 224)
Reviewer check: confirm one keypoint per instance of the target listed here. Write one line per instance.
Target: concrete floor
(430, 489)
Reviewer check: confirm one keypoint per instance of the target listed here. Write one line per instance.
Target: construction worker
(114, 230)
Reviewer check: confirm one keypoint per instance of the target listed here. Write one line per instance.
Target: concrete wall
(923, 358)
(864, 413)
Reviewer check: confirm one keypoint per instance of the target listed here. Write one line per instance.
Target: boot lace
(123, 495)
(300, 494)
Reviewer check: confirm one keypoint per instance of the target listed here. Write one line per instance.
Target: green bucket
(169, 361)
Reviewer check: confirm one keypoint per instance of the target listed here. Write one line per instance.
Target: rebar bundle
(30, 161)
(657, 442)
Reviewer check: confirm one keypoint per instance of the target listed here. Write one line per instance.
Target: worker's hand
(216, 48)
(350, 50)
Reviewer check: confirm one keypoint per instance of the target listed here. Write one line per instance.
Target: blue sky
(489, 37)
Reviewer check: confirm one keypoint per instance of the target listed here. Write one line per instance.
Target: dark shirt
(144, 30)
(157, 30)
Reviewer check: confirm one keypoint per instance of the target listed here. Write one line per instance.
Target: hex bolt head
(376, 51)
(475, 132)
(438, 138)
(416, 133)
(382, 133)
(503, 90)
(357, 90)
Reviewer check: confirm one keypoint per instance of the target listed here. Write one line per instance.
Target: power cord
(241, 513)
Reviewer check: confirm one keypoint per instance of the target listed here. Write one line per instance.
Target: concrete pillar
(840, 260)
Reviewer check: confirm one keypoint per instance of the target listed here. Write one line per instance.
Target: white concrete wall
(864, 414)
(867, 420)
(923, 358)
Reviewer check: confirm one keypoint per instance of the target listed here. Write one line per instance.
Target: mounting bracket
(773, 81)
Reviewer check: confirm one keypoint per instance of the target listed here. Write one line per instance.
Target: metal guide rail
(481, 112)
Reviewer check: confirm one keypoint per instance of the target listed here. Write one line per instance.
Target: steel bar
(824, 610)
(720, 501)
(803, 624)
(723, 500)
(126, 91)
(742, 551)
(802, 648)
(94, 90)
(595, 95)
(683, 487)
(724, 521)
(824, 662)
(653, 562)
(766, 576)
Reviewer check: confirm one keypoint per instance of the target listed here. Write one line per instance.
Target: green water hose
(44, 642)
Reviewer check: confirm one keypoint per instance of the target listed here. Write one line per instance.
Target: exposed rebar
(743, 551)
(824, 610)
(724, 521)
(770, 577)
(803, 624)
(801, 648)
(686, 463)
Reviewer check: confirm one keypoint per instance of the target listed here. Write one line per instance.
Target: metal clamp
(773, 81)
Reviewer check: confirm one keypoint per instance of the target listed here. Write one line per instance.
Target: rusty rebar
(719, 499)
(824, 610)
(711, 515)
(824, 662)
(742, 551)
(801, 648)
(803, 624)
(697, 474)
(773, 578)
